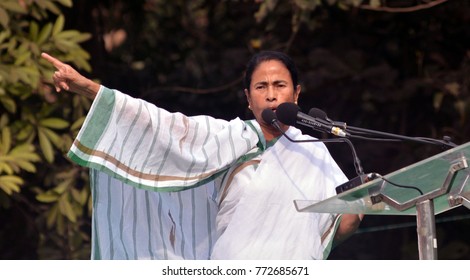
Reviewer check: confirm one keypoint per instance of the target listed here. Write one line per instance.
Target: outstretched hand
(67, 78)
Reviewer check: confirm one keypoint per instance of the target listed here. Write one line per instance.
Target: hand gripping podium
(444, 183)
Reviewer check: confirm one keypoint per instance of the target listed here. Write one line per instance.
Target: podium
(429, 187)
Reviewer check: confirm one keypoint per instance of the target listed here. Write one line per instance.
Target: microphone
(321, 115)
(289, 113)
(270, 117)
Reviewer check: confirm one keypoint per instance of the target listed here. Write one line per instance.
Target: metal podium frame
(425, 189)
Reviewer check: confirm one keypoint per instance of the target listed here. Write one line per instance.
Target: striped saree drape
(156, 185)
(128, 142)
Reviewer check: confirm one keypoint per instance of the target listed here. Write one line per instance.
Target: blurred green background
(398, 66)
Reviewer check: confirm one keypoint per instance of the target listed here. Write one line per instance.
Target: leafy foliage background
(398, 66)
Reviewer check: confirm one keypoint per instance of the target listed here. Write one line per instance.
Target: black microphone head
(268, 116)
(317, 113)
(287, 113)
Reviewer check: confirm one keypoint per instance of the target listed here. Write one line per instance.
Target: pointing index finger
(57, 63)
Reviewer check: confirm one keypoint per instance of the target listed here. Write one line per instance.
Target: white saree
(167, 186)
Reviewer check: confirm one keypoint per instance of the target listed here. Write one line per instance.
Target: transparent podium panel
(443, 179)
(423, 189)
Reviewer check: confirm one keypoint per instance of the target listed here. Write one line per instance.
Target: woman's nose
(271, 96)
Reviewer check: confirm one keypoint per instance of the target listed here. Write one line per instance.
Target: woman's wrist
(90, 90)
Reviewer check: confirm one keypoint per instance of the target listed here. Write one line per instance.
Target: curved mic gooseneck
(270, 117)
(289, 113)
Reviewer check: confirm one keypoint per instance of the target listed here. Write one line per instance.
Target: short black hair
(263, 56)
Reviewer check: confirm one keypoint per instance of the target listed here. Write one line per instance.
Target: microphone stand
(361, 178)
(368, 134)
(362, 133)
(357, 162)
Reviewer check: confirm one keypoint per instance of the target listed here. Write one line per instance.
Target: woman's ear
(248, 98)
(297, 93)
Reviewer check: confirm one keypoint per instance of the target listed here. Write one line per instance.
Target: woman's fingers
(60, 77)
(64, 85)
(68, 79)
(54, 61)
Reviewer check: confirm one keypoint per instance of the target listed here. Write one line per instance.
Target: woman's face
(271, 85)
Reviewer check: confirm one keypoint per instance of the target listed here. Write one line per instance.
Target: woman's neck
(270, 132)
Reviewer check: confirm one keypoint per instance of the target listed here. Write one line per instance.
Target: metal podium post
(426, 228)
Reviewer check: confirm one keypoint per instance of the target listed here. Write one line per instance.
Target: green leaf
(46, 146)
(4, 18)
(52, 216)
(5, 144)
(33, 31)
(66, 209)
(22, 58)
(4, 35)
(3, 120)
(55, 123)
(76, 195)
(11, 44)
(44, 34)
(10, 183)
(22, 157)
(25, 151)
(83, 64)
(25, 132)
(47, 197)
(13, 6)
(64, 186)
(67, 141)
(64, 45)
(53, 137)
(8, 103)
(6, 168)
(58, 25)
(82, 37)
(80, 196)
(29, 75)
(78, 124)
(66, 3)
(26, 165)
(68, 34)
(23, 76)
(52, 7)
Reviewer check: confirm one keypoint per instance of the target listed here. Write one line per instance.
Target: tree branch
(403, 9)
(195, 90)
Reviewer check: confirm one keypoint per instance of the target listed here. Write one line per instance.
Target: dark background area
(399, 72)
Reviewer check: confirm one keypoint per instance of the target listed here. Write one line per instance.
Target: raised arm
(67, 78)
